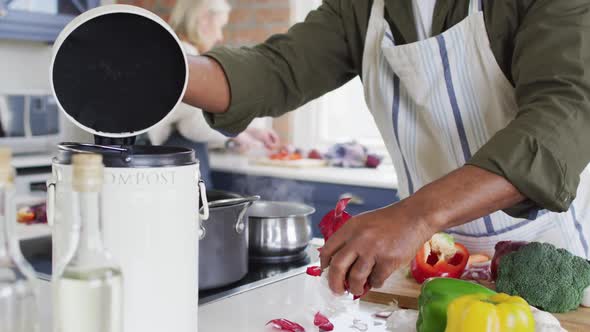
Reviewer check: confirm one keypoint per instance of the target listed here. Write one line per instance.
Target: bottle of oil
(89, 286)
(18, 286)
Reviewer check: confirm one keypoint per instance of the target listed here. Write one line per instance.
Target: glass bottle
(89, 286)
(18, 284)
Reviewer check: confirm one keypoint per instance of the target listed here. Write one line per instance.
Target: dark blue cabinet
(322, 196)
(39, 20)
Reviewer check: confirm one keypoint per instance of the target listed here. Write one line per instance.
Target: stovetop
(261, 274)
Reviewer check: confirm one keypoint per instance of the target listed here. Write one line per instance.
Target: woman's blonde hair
(186, 13)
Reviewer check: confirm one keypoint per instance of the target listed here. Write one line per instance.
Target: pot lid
(129, 156)
(118, 70)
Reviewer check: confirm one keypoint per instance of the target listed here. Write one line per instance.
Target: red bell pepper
(435, 265)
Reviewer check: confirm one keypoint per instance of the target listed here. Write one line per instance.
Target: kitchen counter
(382, 177)
(295, 297)
(292, 299)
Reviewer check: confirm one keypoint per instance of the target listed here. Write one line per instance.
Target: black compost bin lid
(116, 73)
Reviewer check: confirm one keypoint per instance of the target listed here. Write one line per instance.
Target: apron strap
(475, 6)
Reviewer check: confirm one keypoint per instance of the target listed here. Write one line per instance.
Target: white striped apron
(439, 100)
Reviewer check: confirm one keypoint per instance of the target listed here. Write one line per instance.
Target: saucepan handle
(233, 201)
(241, 224)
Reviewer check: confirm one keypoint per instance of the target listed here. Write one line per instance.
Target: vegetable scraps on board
(322, 322)
(478, 268)
(286, 325)
(439, 257)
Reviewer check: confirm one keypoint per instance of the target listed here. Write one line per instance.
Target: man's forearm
(464, 195)
(208, 88)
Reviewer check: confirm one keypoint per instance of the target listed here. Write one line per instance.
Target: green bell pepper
(435, 297)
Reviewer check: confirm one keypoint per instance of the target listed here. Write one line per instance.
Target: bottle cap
(87, 172)
(6, 170)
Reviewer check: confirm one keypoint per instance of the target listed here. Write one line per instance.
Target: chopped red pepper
(322, 322)
(366, 289)
(434, 266)
(334, 219)
(286, 325)
(314, 271)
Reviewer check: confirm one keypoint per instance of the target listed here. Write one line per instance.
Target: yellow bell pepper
(485, 313)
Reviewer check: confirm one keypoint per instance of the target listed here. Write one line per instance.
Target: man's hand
(371, 246)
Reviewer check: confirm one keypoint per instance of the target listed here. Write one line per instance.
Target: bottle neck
(88, 225)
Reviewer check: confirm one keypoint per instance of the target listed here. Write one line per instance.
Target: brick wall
(251, 21)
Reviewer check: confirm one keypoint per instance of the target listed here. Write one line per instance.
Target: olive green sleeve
(544, 150)
(286, 71)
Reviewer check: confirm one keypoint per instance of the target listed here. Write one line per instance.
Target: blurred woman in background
(199, 25)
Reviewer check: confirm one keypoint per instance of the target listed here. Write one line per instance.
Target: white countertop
(382, 177)
(296, 298)
(293, 299)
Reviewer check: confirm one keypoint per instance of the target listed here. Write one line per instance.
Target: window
(339, 116)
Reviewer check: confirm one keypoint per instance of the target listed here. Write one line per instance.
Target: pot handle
(50, 206)
(241, 224)
(203, 192)
(233, 201)
(204, 212)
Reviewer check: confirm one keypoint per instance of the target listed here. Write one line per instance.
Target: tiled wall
(251, 21)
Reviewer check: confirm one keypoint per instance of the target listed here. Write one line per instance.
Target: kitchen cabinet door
(322, 196)
(39, 20)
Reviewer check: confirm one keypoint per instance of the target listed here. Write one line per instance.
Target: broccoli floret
(546, 277)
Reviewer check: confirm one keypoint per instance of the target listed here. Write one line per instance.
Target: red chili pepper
(314, 271)
(433, 266)
(322, 322)
(286, 325)
(334, 219)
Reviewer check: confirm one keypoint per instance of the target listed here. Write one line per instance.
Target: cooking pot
(223, 244)
(279, 231)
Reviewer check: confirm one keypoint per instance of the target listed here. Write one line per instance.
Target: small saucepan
(278, 231)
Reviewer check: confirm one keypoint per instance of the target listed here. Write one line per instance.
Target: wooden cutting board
(405, 292)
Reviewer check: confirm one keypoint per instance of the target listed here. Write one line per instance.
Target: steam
(273, 189)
